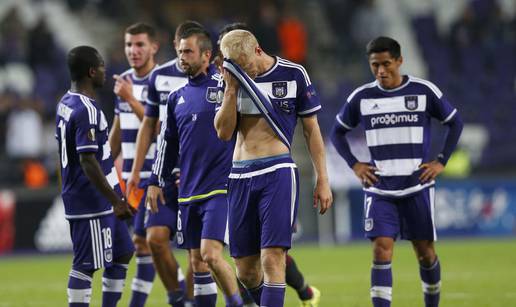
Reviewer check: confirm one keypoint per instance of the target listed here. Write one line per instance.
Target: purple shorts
(166, 216)
(97, 242)
(263, 200)
(411, 217)
(205, 219)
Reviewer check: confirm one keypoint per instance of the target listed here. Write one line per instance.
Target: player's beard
(191, 69)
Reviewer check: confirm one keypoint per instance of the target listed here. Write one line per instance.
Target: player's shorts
(97, 242)
(167, 214)
(205, 219)
(139, 218)
(411, 217)
(263, 200)
(143, 217)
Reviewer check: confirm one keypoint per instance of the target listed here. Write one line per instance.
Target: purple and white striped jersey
(129, 125)
(397, 124)
(291, 92)
(82, 127)
(163, 80)
(282, 95)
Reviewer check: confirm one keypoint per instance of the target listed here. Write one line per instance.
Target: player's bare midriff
(256, 139)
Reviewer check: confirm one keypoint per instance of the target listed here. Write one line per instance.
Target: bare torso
(256, 139)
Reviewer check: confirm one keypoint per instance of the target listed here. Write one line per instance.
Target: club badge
(411, 102)
(279, 89)
(211, 94)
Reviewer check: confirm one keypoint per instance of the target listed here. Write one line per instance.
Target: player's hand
(231, 82)
(365, 173)
(430, 170)
(177, 176)
(151, 200)
(123, 87)
(123, 210)
(323, 197)
(132, 183)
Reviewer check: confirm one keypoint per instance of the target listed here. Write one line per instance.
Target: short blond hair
(238, 44)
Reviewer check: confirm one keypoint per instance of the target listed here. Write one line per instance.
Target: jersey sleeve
(86, 128)
(167, 156)
(152, 101)
(438, 105)
(307, 98)
(349, 115)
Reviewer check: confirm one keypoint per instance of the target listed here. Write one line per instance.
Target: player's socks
(205, 290)
(79, 288)
(176, 298)
(431, 280)
(142, 281)
(244, 293)
(113, 281)
(181, 279)
(381, 284)
(295, 279)
(256, 293)
(234, 300)
(273, 294)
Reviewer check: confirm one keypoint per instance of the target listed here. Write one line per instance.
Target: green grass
(475, 273)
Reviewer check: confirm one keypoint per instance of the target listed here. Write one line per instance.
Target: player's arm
(166, 158)
(433, 168)
(146, 133)
(226, 118)
(115, 141)
(93, 171)
(315, 144)
(124, 89)
(363, 171)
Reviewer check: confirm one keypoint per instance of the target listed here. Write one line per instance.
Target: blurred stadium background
(466, 47)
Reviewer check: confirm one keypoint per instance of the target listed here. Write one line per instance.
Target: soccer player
(90, 188)
(161, 226)
(395, 111)
(263, 181)
(131, 88)
(309, 295)
(204, 163)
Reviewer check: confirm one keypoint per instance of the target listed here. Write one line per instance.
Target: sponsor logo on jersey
(393, 119)
(279, 89)
(284, 106)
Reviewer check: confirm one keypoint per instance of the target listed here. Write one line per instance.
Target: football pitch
(475, 273)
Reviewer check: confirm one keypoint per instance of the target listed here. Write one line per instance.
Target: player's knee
(198, 264)
(249, 277)
(211, 257)
(273, 262)
(382, 252)
(140, 245)
(157, 243)
(426, 258)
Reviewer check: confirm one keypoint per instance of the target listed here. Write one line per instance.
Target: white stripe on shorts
(261, 171)
(292, 195)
